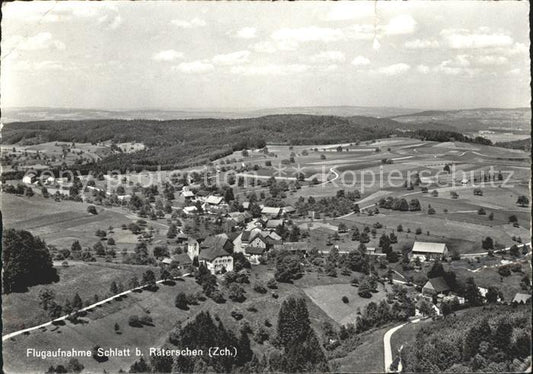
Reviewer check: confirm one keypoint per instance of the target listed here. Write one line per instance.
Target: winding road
(387, 349)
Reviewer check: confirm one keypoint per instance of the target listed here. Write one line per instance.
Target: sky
(247, 55)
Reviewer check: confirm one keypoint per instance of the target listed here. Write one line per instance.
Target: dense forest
(523, 144)
(488, 339)
(446, 136)
(181, 143)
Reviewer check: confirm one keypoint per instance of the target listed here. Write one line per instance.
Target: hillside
(179, 143)
(516, 119)
(58, 114)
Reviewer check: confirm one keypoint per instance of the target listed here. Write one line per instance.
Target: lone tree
(172, 231)
(181, 301)
(92, 209)
(523, 201)
(487, 243)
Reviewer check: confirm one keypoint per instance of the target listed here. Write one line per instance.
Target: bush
(504, 271)
(236, 293)
(272, 284)
(134, 321)
(146, 320)
(92, 210)
(217, 297)
(345, 300)
(258, 287)
(261, 335)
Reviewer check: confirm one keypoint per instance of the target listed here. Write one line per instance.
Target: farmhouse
(216, 259)
(435, 286)
(428, 250)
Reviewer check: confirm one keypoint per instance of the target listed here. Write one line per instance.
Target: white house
(190, 209)
(187, 194)
(29, 178)
(258, 242)
(237, 244)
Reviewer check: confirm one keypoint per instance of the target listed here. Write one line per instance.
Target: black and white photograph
(265, 187)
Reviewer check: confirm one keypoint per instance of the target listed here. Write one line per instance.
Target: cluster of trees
(19, 189)
(141, 256)
(342, 203)
(401, 204)
(301, 350)
(288, 266)
(209, 284)
(448, 136)
(26, 261)
(492, 339)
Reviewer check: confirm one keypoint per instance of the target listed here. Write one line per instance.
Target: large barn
(428, 250)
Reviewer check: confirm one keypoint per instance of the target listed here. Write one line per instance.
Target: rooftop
(428, 247)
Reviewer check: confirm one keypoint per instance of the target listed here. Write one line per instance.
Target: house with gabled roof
(288, 210)
(214, 200)
(272, 224)
(521, 298)
(271, 212)
(216, 260)
(435, 286)
(215, 254)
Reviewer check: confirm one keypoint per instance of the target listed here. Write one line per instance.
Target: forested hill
(189, 142)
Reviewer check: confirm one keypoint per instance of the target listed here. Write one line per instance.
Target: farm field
(61, 223)
(21, 310)
(329, 297)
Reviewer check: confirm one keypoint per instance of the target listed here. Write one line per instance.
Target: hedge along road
(92, 306)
